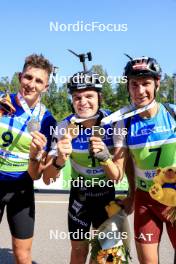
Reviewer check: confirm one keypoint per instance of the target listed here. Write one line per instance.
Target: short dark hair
(38, 61)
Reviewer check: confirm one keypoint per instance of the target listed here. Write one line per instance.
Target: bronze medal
(96, 131)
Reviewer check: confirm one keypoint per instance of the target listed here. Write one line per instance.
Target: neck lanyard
(126, 112)
(35, 117)
(121, 114)
(76, 119)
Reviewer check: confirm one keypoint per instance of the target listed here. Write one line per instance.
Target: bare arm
(64, 149)
(128, 202)
(129, 169)
(120, 159)
(51, 173)
(113, 168)
(36, 155)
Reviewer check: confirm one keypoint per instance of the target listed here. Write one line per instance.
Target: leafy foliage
(57, 99)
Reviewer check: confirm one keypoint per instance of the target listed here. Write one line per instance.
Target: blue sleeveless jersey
(152, 143)
(15, 141)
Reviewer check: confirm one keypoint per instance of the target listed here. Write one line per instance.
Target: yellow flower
(103, 255)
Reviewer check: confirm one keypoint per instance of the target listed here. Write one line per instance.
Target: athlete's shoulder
(68, 118)
(65, 120)
(173, 107)
(48, 123)
(12, 95)
(105, 112)
(61, 125)
(48, 114)
(12, 98)
(48, 118)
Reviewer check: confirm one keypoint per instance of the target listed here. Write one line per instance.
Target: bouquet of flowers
(110, 244)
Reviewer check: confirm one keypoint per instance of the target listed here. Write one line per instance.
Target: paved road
(51, 220)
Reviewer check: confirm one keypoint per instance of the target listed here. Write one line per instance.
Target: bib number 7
(158, 154)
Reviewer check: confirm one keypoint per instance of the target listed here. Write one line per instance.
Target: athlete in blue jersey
(16, 185)
(151, 142)
(87, 196)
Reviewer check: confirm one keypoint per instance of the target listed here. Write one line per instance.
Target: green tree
(15, 84)
(63, 103)
(56, 100)
(122, 96)
(4, 84)
(166, 91)
(108, 94)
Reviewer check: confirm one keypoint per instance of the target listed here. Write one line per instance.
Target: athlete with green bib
(16, 186)
(151, 142)
(87, 198)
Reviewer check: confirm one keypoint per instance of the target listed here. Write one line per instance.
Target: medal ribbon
(76, 119)
(38, 111)
(126, 112)
(121, 114)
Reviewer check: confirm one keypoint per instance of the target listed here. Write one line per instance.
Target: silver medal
(33, 125)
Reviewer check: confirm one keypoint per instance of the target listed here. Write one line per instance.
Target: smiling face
(33, 81)
(142, 90)
(85, 103)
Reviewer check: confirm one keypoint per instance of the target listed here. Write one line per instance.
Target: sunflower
(115, 255)
(105, 250)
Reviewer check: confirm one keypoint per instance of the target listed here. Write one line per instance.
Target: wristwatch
(57, 166)
(36, 158)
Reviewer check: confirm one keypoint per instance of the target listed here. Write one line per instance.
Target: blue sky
(24, 29)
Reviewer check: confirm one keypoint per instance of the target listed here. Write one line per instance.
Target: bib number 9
(7, 137)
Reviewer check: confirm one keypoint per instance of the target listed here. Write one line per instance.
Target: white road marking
(52, 202)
